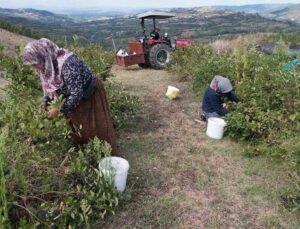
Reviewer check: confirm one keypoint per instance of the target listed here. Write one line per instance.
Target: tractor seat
(154, 35)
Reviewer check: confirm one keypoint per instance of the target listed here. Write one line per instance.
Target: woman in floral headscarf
(213, 98)
(64, 73)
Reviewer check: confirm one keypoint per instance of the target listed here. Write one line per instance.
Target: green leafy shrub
(293, 38)
(123, 106)
(198, 63)
(270, 96)
(46, 182)
(268, 117)
(98, 60)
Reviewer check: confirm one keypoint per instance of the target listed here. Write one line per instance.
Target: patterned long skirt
(94, 117)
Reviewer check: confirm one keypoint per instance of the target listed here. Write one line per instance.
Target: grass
(139, 207)
(179, 178)
(2, 85)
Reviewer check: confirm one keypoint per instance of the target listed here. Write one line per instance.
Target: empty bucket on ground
(215, 128)
(172, 92)
(117, 169)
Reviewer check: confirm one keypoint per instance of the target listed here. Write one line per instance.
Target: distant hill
(25, 31)
(289, 13)
(99, 14)
(255, 8)
(202, 23)
(35, 15)
(282, 12)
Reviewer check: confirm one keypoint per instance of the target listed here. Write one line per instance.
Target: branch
(31, 197)
(64, 161)
(30, 213)
(58, 193)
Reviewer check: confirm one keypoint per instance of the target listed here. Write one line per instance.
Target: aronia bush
(44, 181)
(268, 116)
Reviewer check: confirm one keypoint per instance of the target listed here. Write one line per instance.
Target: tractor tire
(159, 56)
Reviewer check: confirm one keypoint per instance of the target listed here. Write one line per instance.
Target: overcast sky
(98, 4)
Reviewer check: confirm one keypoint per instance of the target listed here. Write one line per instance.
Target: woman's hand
(225, 105)
(43, 106)
(53, 113)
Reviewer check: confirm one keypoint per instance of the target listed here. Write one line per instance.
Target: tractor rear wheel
(159, 56)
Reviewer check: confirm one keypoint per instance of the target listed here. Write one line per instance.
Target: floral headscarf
(221, 84)
(44, 51)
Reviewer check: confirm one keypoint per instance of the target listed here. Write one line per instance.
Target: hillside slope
(289, 13)
(9, 41)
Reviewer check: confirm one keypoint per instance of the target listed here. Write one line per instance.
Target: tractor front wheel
(159, 56)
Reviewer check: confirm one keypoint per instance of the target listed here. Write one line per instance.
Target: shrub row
(269, 94)
(268, 117)
(44, 181)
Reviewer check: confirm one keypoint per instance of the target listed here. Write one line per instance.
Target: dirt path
(181, 179)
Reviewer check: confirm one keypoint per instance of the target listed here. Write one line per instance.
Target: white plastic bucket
(172, 92)
(215, 128)
(117, 167)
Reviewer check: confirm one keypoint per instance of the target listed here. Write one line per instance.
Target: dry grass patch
(181, 179)
(3, 83)
(10, 40)
(222, 46)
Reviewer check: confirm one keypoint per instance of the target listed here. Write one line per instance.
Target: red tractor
(153, 51)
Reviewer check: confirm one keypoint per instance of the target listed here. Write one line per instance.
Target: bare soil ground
(10, 40)
(179, 178)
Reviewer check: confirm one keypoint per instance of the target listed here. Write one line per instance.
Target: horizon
(58, 6)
